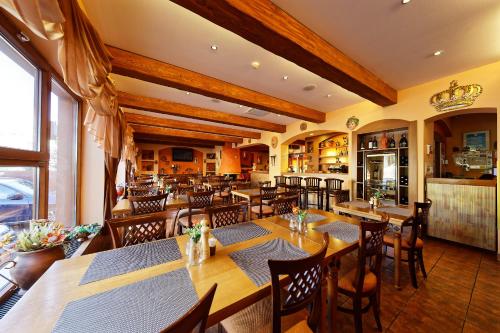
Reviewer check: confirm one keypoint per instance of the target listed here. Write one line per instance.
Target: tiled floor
(461, 294)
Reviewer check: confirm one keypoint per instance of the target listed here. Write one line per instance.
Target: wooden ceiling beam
(176, 140)
(183, 110)
(140, 119)
(265, 24)
(177, 143)
(184, 134)
(147, 69)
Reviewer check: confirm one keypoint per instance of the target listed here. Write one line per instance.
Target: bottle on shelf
(392, 142)
(362, 145)
(403, 142)
(375, 144)
(370, 144)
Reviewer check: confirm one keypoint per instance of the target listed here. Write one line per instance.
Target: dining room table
(73, 288)
(398, 215)
(250, 195)
(123, 209)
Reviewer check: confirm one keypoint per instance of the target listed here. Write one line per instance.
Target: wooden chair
(147, 204)
(138, 229)
(285, 205)
(313, 187)
(195, 321)
(198, 202)
(266, 183)
(142, 190)
(143, 182)
(184, 189)
(364, 281)
(295, 307)
(280, 181)
(223, 192)
(267, 195)
(412, 243)
(293, 191)
(334, 190)
(222, 216)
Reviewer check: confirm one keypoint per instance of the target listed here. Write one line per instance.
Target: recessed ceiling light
(241, 106)
(255, 64)
(328, 95)
(311, 134)
(214, 47)
(187, 92)
(438, 53)
(279, 115)
(404, 2)
(285, 77)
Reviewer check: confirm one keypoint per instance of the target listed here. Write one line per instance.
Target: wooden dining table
(122, 208)
(250, 195)
(396, 220)
(39, 309)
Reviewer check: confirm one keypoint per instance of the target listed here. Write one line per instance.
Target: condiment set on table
(200, 246)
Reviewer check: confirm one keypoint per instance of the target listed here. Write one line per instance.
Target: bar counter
(463, 211)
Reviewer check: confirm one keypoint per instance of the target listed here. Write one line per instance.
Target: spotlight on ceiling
(214, 47)
(255, 64)
(438, 53)
(285, 77)
(404, 2)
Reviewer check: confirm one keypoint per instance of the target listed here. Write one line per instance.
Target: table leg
(397, 260)
(333, 279)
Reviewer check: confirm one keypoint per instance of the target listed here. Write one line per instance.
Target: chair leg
(358, 315)
(420, 257)
(411, 265)
(376, 310)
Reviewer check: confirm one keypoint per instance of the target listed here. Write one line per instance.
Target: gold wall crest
(456, 97)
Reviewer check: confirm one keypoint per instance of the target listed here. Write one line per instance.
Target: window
(62, 163)
(19, 100)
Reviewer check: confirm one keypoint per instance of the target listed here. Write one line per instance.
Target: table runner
(346, 232)
(238, 233)
(131, 258)
(357, 203)
(146, 306)
(310, 218)
(395, 210)
(253, 260)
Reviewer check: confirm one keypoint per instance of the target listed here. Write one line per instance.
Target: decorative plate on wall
(303, 126)
(274, 142)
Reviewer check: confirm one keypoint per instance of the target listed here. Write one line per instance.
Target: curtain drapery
(42, 17)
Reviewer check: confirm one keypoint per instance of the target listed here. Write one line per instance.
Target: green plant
(378, 193)
(85, 229)
(40, 237)
(301, 213)
(195, 232)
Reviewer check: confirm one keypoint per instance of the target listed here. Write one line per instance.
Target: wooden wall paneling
(463, 213)
(147, 69)
(185, 134)
(171, 123)
(265, 24)
(183, 110)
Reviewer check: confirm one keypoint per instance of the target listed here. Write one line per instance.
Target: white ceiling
(396, 41)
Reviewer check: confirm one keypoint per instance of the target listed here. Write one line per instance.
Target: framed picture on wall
(211, 156)
(479, 140)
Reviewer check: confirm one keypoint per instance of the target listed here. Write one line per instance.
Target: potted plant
(35, 251)
(82, 232)
(376, 198)
(193, 246)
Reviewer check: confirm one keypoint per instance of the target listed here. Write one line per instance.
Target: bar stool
(334, 190)
(280, 181)
(313, 187)
(293, 183)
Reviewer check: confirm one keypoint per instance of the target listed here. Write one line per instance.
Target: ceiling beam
(188, 111)
(147, 69)
(265, 24)
(177, 141)
(184, 134)
(140, 119)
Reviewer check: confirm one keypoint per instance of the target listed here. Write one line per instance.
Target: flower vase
(292, 225)
(194, 253)
(301, 225)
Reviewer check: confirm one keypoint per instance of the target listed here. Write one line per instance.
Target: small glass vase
(194, 253)
(292, 225)
(301, 225)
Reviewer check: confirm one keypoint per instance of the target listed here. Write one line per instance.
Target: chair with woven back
(195, 320)
(147, 204)
(333, 190)
(132, 230)
(223, 192)
(295, 307)
(143, 190)
(222, 216)
(280, 181)
(412, 242)
(198, 202)
(143, 182)
(184, 189)
(266, 183)
(267, 195)
(285, 205)
(364, 281)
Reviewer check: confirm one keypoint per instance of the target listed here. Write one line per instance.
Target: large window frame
(39, 159)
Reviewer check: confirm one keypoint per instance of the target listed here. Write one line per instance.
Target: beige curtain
(43, 17)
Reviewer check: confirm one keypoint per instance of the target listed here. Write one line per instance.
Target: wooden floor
(461, 294)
